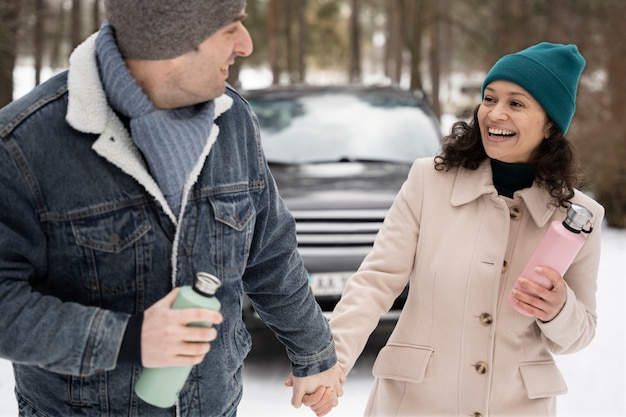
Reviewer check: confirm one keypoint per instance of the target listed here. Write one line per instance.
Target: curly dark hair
(554, 162)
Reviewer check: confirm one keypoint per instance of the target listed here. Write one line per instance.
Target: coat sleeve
(37, 329)
(574, 327)
(382, 276)
(278, 286)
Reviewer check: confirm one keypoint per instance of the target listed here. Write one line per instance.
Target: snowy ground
(596, 376)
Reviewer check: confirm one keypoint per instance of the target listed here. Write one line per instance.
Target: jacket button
(515, 213)
(114, 238)
(481, 367)
(486, 319)
(505, 266)
(476, 415)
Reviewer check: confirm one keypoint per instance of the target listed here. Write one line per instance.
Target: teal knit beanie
(549, 72)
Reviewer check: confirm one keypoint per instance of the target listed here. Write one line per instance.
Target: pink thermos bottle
(558, 248)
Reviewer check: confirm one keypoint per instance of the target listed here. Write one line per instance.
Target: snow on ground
(596, 376)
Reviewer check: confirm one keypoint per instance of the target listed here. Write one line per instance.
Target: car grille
(337, 228)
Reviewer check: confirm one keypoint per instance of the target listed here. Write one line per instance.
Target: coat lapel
(471, 185)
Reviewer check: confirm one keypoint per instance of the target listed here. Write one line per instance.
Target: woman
(460, 232)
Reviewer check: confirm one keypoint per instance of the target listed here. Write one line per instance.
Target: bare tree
(57, 55)
(434, 52)
(9, 22)
(395, 43)
(76, 31)
(601, 113)
(613, 192)
(272, 39)
(413, 32)
(39, 38)
(354, 70)
(302, 40)
(287, 30)
(96, 14)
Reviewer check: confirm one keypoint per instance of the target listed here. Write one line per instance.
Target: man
(123, 178)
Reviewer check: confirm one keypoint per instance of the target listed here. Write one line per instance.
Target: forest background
(418, 44)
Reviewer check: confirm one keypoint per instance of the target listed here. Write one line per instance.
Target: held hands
(538, 301)
(320, 392)
(166, 340)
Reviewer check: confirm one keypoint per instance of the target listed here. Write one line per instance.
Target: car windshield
(344, 127)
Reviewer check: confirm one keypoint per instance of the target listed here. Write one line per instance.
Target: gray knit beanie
(164, 29)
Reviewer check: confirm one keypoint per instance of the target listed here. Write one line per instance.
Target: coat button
(476, 415)
(505, 266)
(114, 239)
(515, 213)
(481, 367)
(486, 319)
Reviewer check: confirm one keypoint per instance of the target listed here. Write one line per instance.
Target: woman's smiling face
(512, 123)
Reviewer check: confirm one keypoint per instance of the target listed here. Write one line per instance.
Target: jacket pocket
(393, 362)
(114, 254)
(111, 232)
(542, 379)
(232, 232)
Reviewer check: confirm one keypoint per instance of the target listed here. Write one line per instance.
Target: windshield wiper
(370, 160)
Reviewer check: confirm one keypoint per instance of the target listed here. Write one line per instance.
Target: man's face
(197, 76)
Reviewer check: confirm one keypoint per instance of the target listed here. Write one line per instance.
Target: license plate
(329, 283)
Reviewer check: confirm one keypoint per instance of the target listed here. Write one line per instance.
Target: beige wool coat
(458, 348)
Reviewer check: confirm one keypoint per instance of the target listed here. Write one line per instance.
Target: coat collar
(470, 185)
(88, 111)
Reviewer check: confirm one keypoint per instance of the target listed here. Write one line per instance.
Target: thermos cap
(577, 217)
(206, 284)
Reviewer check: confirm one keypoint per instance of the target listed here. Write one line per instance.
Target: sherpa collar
(89, 112)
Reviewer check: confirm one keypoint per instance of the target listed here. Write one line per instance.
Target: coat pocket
(542, 379)
(232, 231)
(111, 232)
(403, 362)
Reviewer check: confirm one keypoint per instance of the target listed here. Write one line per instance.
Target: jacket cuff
(302, 366)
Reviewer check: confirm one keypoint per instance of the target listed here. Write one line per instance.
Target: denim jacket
(87, 240)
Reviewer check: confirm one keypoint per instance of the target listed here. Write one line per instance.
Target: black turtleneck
(508, 178)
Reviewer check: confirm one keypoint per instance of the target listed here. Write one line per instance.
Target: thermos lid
(206, 284)
(577, 217)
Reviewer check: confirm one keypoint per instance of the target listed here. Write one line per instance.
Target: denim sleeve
(277, 284)
(37, 329)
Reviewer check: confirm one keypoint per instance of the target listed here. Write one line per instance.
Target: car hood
(341, 185)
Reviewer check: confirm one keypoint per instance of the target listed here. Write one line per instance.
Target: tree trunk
(393, 44)
(57, 58)
(96, 15)
(39, 38)
(354, 71)
(288, 38)
(76, 31)
(272, 40)
(9, 16)
(612, 178)
(302, 40)
(434, 52)
(414, 40)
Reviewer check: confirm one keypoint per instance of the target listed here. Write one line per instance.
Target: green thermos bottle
(160, 386)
